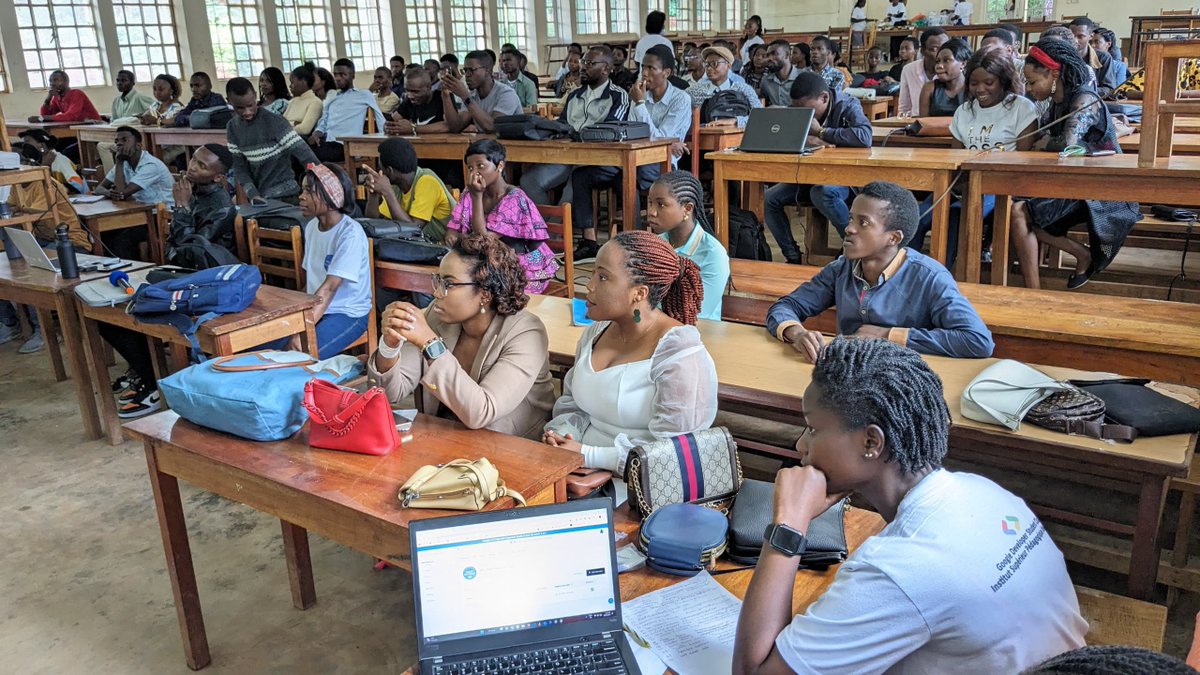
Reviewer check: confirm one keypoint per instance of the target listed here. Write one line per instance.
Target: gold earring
(482, 309)
(869, 455)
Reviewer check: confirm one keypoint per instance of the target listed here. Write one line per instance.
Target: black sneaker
(129, 379)
(149, 401)
(586, 249)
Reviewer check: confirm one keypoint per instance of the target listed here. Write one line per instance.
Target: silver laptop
(777, 130)
(531, 590)
(35, 255)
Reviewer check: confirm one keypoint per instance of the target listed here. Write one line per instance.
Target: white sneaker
(33, 344)
(9, 333)
(148, 403)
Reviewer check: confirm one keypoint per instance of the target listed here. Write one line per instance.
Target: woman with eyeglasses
(475, 355)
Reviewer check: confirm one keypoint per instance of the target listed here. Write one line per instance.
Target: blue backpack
(204, 295)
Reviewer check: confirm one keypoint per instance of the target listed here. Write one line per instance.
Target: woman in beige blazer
(475, 354)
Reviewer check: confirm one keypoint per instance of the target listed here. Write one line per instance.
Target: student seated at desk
(305, 109)
(138, 176)
(883, 290)
(130, 104)
(1004, 40)
(264, 147)
(64, 104)
(61, 167)
(476, 355)
(943, 95)
(641, 372)
(483, 98)
(717, 64)
(776, 85)
(273, 90)
(1075, 116)
(569, 81)
(420, 112)
(907, 54)
(381, 86)
(406, 193)
(621, 76)
(167, 91)
(937, 590)
(916, 74)
(825, 56)
(755, 67)
(345, 113)
(1108, 76)
(675, 212)
(838, 121)
(510, 74)
(874, 59)
(203, 97)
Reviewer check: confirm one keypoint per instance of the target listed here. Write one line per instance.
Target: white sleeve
(568, 417)
(349, 258)
(864, 623)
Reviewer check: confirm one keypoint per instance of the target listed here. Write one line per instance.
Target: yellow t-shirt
(428, 200)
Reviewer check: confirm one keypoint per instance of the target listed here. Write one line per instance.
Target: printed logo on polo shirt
(1011, 526)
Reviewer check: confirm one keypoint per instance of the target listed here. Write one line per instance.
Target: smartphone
(403, 423)
(1101, 153)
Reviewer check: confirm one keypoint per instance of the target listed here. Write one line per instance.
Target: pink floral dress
(516, 220)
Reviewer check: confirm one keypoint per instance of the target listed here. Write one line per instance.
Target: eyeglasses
(713, 65)
(442, 285)
(467, 70)
(588, 64)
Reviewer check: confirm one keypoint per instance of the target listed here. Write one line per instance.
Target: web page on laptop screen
(515, 575)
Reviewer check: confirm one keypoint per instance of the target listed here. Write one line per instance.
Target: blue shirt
(151, 175)
(918, 299)
(346, 112)
(670, 117)
(713, 260)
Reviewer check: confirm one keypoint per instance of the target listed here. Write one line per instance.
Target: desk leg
(85, 386)
(46, 318)
(941, 217)
(179, 563)
(308, 339)
(633, 200)
(299, 564)
(99, 371)
(1000, 244)
(720, 204)
(970, 240)
(1143, 559)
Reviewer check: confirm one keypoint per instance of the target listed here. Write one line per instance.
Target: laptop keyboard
(591, 657)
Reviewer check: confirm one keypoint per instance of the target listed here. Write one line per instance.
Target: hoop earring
(637, 315)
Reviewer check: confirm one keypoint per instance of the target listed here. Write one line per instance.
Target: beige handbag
(461, 485)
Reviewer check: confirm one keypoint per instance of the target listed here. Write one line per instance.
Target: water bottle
(67, 265)
(10, 249)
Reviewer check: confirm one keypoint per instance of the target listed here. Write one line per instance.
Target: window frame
(36, 51)
(152, 67)
(255, 52)
(291, 33)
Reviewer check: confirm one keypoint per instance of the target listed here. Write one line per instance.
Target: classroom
(600, 336)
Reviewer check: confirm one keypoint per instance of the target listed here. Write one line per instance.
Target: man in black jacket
(202, 203)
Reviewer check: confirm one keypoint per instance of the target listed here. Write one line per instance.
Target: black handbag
(1131, 403)
(216, 117)
(530, 128)
(615, 132)
(412, 250)
(1079, 413)
(378, 228)
(825, 541)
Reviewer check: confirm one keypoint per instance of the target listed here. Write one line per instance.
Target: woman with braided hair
(1075, 121)
(641, 372)
(963, 579)
(675, 212)
(1111, 660)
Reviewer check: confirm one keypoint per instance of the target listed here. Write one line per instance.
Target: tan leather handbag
(461, 485)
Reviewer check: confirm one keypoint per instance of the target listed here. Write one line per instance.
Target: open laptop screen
(514, 575)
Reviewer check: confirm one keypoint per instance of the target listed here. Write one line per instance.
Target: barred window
(146, 37)
(61, 35)
(367, 31)
(235, 27)
(305, 32)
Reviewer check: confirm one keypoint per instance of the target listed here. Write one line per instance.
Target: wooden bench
(1139, 338)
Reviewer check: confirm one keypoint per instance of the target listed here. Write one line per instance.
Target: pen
(638, 639)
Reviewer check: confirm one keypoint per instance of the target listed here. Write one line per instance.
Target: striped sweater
(263, 150)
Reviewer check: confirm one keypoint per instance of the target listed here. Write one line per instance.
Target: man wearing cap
(717, 62)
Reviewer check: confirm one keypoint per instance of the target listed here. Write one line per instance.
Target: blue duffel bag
(256, 395)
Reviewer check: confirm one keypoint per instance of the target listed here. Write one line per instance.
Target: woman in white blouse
(641, 372)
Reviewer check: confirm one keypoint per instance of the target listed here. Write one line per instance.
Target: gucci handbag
(683, 539)
(824, 542)
(461, 485)
(343, 419)
(700, 468)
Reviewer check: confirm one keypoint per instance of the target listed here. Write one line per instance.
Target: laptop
(530, 590)
(35, 255)
(777, 130)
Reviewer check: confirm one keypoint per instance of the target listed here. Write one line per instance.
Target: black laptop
(531, 590)
(778, 130)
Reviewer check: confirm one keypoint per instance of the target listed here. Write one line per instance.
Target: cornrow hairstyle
(686, 189)
(1111, 660)
(1076, 73)
(872, 381)
(674, 281)
(997, 64)
(902, 211)
(1058, 33)
(495, 267)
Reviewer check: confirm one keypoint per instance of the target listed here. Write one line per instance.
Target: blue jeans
(8, 315)
(926, 224)
(830, 200)
(335, 332)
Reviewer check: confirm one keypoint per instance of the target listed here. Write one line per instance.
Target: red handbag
(343, 419)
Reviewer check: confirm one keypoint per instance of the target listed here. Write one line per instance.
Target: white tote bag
(1005, 391)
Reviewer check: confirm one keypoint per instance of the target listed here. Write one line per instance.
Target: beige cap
(719, 51)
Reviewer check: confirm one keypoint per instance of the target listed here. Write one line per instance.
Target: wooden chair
(370, 338)
(158, 242)
(369, 124)
(695, 141)
(282, 258)
(1161, 100)
(239, 239)
(562, 242)
(1118, 620)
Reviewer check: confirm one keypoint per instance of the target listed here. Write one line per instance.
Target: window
(739, 11)
(146, 37)
(704, 14)
(61, 35)
(305, 32)
(424, 41)
(467, 26)
(235, 27)
(623, 16)
(367, 29)
(3, 74)
(679, 15)
(587, 17)
(512, 24)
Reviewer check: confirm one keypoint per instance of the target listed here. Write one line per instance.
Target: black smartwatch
(784, 539)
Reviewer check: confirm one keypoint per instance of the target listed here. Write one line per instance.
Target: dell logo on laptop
(775, 128)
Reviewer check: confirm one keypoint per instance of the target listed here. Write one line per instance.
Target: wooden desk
(1147, 338)
(91, 135)
(405, 276)
(878, 108)
(626, 156)
(55, 129)
(26, 175)
(715, 139)
(157, 138)
(1143, 29)
(107, 215)
(275, 313)
(928, 170)
(47, 291)
(345, 497)
(763, 377)
(1184, 143)
(1044, 174)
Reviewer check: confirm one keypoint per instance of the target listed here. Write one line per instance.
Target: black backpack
(197, 253)
(530, 128)
(746, 237)
(274, 215)
(724, 105)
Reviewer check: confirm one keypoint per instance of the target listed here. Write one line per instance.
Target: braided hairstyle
(1111, 660)
(674, 281)
(686, 189)
(1076, 75)
(871, 381)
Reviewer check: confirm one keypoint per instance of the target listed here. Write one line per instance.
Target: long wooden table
(346, 497)
(766, 378)
(275, 313)
(912, 168)
(91, 135)
(1043, 174)
(56, 129)
(1183, 143)
(107, 215)
(627, 156)
(156, 138)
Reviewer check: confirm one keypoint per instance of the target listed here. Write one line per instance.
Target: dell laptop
(531, 590)
(778, 130)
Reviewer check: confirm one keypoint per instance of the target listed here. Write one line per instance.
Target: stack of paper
(690, 625)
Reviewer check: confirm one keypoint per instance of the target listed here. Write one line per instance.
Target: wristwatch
(434, 348)
(784, 539)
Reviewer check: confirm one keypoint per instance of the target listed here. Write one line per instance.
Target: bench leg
(1143, 559)
(1001, 224)
(85, 386)
(1183, 539)
(299, 564)
(46, 318)
(100, 382)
